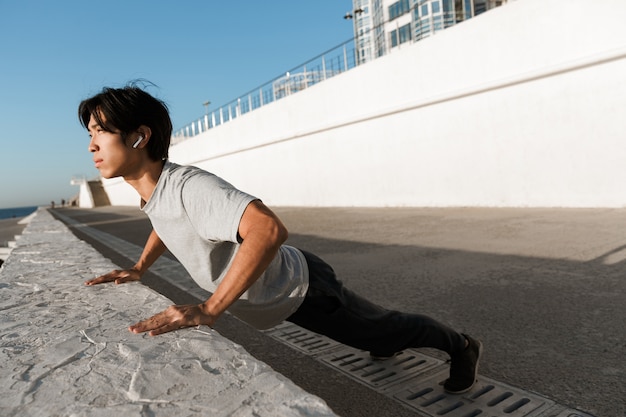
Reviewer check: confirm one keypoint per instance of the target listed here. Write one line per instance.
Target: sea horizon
(15, 212)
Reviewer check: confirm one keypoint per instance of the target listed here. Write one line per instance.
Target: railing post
(261, 96)
(345, 58)
(323, 67)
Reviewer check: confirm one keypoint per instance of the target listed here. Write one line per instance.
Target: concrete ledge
(66, 350)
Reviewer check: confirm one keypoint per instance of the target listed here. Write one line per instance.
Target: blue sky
(55, 54)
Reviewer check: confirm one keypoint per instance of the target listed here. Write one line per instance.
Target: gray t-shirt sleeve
(214, 207)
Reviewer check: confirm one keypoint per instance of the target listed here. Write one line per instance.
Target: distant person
(52, 204)
(62, 202)
(232, 245)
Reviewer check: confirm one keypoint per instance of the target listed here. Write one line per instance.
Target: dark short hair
(127, 108)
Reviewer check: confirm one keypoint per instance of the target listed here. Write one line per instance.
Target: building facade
(381, 26)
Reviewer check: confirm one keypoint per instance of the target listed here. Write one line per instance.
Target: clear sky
(53, 54)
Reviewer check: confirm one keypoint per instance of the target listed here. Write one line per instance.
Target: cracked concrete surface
(65, 348)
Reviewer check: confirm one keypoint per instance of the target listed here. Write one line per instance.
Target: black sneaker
(464, 368)
(382, 356)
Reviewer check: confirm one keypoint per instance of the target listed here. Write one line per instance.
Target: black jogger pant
(334, 311)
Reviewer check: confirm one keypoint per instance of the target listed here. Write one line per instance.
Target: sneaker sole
(379, 358)
(463, 391)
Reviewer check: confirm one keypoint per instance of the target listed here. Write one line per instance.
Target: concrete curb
(66, 349)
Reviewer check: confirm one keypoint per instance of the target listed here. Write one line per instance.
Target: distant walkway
(66, 349)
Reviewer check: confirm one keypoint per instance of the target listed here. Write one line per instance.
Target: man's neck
(145, 182)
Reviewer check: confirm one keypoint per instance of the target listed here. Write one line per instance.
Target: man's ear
(145, 132)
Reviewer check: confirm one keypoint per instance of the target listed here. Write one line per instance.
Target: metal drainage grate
(487, 398)
(301, 339)
(416, 380)
(378, 374)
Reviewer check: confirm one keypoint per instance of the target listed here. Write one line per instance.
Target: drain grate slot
(485, 389)
(419, 394)
(433, 400)
(499, 399)
(301, 339)
(379, 374)
(382, 377)
(414, 364)
(451, 408)
(518, 404)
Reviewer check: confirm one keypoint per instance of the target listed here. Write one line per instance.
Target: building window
(401, 35)
(404, 33)
(394, 38)
(480, 6)
(468, 9)
(448, 13)
(398, 8)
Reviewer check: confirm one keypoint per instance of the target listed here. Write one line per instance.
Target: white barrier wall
(120, 193)
(85, 199)
(521, 106)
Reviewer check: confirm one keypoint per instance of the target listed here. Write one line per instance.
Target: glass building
(380, 26)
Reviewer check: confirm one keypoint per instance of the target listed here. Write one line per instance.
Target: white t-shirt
(197, 214)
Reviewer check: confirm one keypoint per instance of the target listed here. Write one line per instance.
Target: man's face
(111, 155)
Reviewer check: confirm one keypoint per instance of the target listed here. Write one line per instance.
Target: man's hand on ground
(117, 276)
(173, 318)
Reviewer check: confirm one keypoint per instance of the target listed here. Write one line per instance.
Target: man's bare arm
(152, 250)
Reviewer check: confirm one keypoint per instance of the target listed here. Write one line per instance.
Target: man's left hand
(174, 318)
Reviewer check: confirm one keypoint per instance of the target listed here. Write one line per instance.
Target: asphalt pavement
(544, 290)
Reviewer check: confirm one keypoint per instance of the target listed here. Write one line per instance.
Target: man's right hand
(118, 276)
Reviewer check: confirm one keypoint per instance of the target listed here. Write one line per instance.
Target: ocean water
(8, 213)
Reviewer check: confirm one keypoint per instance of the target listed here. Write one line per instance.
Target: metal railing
(334, 61)
(337, 60)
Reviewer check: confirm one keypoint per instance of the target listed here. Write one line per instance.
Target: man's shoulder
(185, 172)
(191, 180)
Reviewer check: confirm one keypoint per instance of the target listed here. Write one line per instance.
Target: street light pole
(357, 47)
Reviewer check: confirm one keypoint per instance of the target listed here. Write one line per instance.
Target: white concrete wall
(120, 193)
(521, 106)
(85, 199)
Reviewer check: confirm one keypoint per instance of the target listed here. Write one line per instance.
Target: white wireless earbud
(139, 139)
